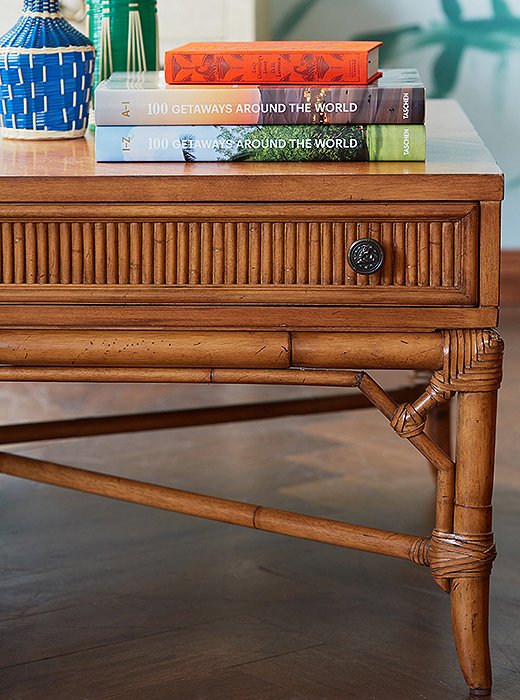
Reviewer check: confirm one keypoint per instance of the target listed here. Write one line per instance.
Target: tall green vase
(125, 35)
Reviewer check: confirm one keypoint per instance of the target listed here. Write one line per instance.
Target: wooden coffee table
(275, 274)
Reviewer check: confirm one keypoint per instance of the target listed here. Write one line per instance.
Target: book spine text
(261, 143)
(261, 105)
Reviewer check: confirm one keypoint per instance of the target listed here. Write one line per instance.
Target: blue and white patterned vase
(46, 71)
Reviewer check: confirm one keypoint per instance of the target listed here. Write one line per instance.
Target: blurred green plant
(499, 34)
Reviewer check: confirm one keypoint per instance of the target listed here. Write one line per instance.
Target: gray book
(140, 99)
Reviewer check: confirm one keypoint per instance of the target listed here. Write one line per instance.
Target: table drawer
(249, 254)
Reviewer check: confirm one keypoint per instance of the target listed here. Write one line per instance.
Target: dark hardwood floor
(100, 599)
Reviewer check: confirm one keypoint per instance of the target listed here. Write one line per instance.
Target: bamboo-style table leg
(461, 560)
(461, 550)
(472, 520)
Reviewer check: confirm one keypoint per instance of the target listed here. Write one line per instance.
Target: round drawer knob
(366, 256)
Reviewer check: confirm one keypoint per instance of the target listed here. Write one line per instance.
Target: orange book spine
(259, 67)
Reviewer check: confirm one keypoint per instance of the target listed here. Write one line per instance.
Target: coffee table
(302, 274)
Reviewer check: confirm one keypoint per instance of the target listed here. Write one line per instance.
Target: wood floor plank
(319, 673)
(171, 655)
(227, 684)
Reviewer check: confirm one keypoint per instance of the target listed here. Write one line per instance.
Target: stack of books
(263, 101)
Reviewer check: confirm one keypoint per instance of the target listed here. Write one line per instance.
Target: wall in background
(466, 49)
(205, 20)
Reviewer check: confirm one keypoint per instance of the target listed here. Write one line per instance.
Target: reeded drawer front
(256, 256)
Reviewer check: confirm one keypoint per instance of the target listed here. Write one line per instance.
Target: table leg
(472, 522)
(461, 557)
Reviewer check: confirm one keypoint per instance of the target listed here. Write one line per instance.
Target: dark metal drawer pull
(366, 256)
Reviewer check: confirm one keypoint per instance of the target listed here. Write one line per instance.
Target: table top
(458, 167)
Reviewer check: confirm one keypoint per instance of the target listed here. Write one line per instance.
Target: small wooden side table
(278, 274)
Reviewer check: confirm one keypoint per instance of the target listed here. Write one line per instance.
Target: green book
(262, 143)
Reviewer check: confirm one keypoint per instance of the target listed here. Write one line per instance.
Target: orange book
(269, 62)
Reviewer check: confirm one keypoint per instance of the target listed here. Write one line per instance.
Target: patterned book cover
(145, 98)
(320, 142)
(264, 62)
